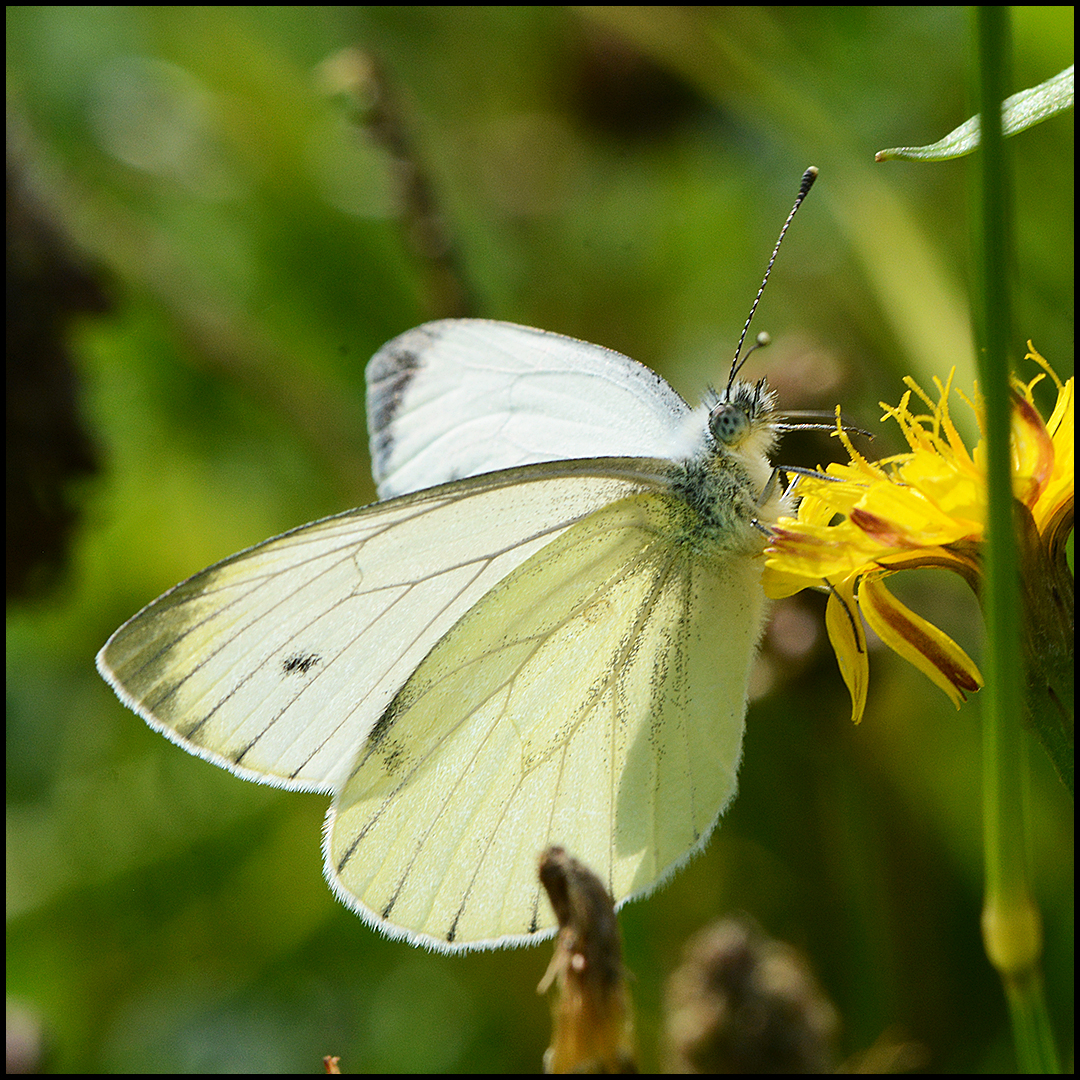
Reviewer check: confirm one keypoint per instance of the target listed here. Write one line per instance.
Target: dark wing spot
(299, 664)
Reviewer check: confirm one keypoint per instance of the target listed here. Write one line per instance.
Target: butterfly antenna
(807, 182)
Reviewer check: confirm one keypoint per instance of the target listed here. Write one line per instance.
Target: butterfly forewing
(460, 397)
(277, 662)
(579, 703)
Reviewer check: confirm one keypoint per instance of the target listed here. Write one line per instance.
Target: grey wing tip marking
(389, 375)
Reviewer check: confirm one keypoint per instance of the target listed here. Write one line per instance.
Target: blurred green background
(619, 174)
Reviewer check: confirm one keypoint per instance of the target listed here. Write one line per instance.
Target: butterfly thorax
(725, 479)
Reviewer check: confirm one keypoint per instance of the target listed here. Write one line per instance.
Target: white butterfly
(541, 638)
(550, 646)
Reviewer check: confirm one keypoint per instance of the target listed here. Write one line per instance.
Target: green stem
(1011, 925)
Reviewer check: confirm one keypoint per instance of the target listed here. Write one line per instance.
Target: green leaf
(1019, 112)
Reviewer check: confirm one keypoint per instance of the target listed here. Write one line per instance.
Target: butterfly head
(741, 419)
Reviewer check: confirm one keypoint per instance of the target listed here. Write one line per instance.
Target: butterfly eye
(729, 424)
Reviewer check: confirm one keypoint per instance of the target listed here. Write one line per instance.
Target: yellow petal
(1032, 452)
(849, 643)
(1058, 496)
(919, 642)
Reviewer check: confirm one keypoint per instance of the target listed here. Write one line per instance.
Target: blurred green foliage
(618, 174)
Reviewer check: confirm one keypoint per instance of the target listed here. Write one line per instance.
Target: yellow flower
(860, 522)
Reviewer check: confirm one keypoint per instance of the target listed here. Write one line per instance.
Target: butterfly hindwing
(578, 703)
